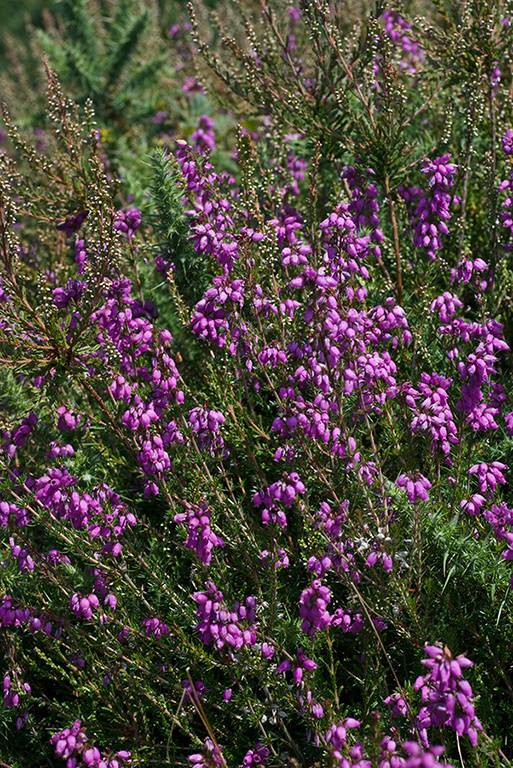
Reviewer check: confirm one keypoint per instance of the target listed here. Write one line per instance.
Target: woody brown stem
(391, 209)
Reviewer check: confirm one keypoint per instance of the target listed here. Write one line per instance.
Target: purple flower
(499, 516)
(446, 304)
(336, 737)
(209, 757)
(398, 31)
(71, 743)
(73, 291)
(348, 621)
(72, 224)
(127, 222)
(364, 204)
(283, 491)
(211, 222)
(203, 138)
(418, 758)
(466, 269)
(313, 608)
(433, 415)
(83, 606)
(23, 556)
(222, 626)
(193, 692)
(218, 312)
(416, 488)
(19, 435)
(155, 627)
(299, 666)
(488, 476)
(433, 208)
(281, 560)
(267, 651)
(205, 424)
(507, 142)
(201, 538)
(473, 505)
(66, 420)
(191, 85)
(69, 740)
(399, 706)
(446, 696)
(256, 756)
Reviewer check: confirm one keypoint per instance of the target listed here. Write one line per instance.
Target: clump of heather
(256, 434)
(446, 695)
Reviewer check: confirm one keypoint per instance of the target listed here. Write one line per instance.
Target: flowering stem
(204, 719)
(493, 190)
(466, 162)
(391, 209)
(332, 668)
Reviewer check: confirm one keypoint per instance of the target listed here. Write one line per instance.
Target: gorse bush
(256, 432)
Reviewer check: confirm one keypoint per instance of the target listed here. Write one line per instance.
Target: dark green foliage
(101, 57)
(172, 229)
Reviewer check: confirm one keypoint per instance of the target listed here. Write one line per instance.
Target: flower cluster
(284, 491)
(416, 488)
(446, 695)
(72, 743)
(398, 31)
(313, 608)
(393, 753)
(201, 539)
(155, 627)
(209, 757)
(216, 314)
(211, 222)
(433, 414)
(256, 756)
(205, 424)
(128, 221)
(83, 607)
(203, 138)
(222, 626)
(488, 476)
(364, 205)
(433, 208)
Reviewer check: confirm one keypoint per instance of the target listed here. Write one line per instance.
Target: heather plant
(256, 433)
